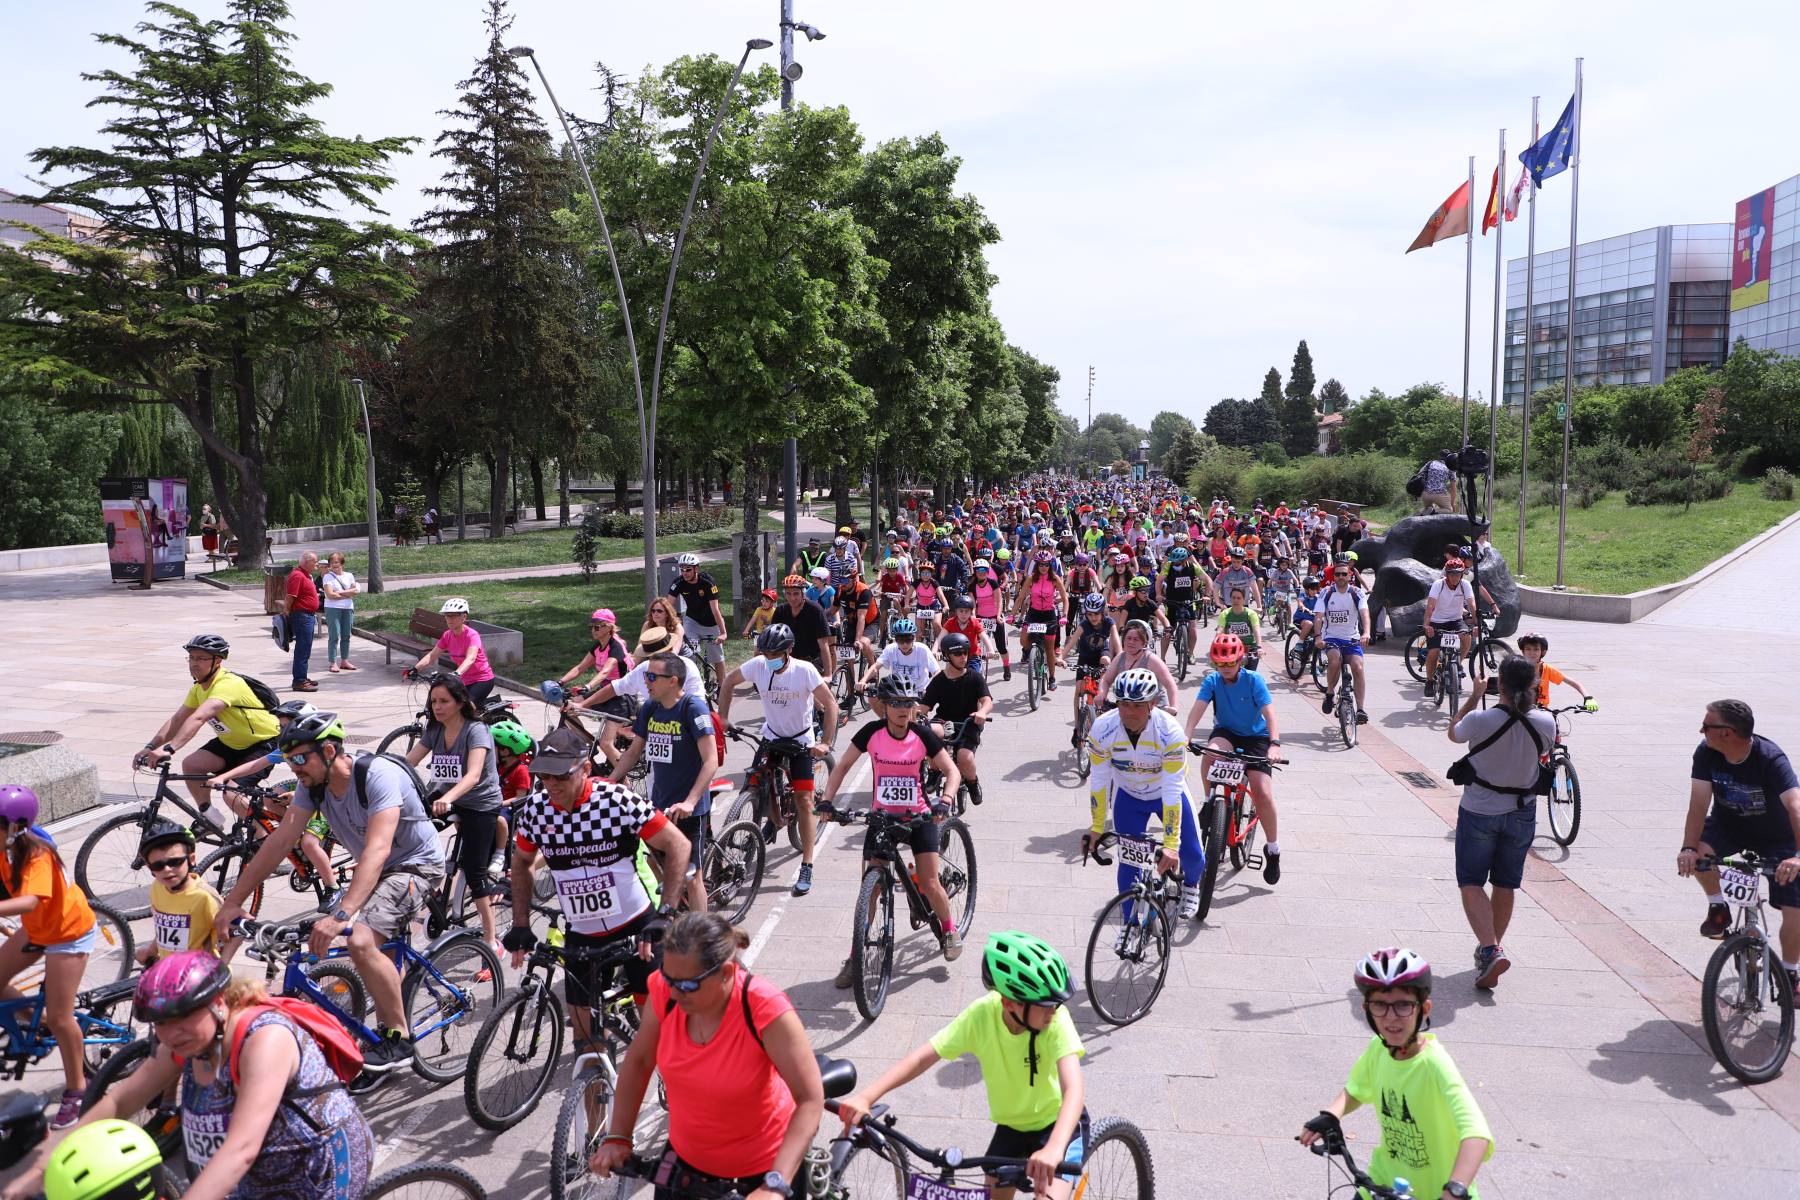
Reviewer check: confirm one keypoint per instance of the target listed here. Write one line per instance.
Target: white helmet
(455, 604)
(820, 573)
(688, 560)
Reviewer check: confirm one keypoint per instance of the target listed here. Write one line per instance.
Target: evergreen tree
(1271, 391)
(1299, 419)
(1300, 379)
(1333, 398)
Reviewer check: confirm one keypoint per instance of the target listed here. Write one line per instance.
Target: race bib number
(1740, 888)
(1225, 771)
(446, 769)
(1450, 641)
(587, 896)
(171, 932)
(1036, 627)
(204, 1135)
(846, 653)
(1335, 617)
(659, 748)
(218, 726)
(990, 623)
(1138, 852)
(923, 1187)
(897, 792)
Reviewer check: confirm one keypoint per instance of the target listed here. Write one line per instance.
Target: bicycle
(1302, 656)
(445, 989)
(1746, 995)
(401, 741)
(1277, 611)
(891, 607)
(1228, 818)
(1140, 945)
(694, 650)
(23, 1126)
(1483, 658)
(761, 799)
(516, 1050)
(1564, 801)
(102, 1012)
(1450, 672)
(1087, 709)
(1331, 1145)
(112, 958)
(843, 678)
(1179, 629)
(1035, 636)
(872, 935)
(108, 866)
(425, 1181)
(1345, 707)
(222, 867)
(934, 782)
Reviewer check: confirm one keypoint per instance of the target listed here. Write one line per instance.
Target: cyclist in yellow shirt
(182, 905)
(243, 726)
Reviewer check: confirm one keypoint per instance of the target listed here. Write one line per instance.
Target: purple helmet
(18, 804)
(177, 985)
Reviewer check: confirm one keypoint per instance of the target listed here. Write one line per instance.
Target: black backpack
(265, 695)
(1415, 487)
(359, 777)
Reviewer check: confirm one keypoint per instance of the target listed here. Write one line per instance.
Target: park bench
(427, 626)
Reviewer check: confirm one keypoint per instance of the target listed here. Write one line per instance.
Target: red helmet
(1454, 564)
(1227, 648)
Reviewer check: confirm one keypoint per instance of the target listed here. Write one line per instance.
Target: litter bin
(275, 586)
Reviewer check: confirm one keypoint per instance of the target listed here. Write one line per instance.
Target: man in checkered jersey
(588, 830)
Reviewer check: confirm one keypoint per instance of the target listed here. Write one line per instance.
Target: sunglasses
(1704, 726)
(298, 760)
(659, 674)
(1399, 1008)
(166, 864)
(688, 987)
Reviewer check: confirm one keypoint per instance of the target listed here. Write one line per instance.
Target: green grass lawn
(1614, 548)
(551, 611)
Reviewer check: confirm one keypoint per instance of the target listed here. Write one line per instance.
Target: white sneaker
(1119, 942)
(1190, 902)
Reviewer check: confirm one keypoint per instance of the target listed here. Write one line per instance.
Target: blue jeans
(300, 624)
(337, 634)
(1492, 849)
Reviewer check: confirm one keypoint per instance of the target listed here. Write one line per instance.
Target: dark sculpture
(1409, 558)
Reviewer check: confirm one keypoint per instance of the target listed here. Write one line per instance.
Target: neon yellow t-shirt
(1014, 1098)
(184, 919)
(1426, 1111)
(244, 721)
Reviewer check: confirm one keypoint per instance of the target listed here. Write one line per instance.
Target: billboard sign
(1752, 248)
(146, 524)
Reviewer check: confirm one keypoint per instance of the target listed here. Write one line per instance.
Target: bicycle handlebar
(1743, 860)
(1201, 746)
(1006, 1172)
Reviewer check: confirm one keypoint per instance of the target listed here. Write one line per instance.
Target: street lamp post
(790, 450)
(374, 573)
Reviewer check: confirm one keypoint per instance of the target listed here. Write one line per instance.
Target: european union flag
(1549, 155)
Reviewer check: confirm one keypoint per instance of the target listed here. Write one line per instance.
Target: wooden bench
(422, 633)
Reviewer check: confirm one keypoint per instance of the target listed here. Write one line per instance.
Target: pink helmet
(604, 614)
(1393, 967)
(18, 804)
(177, 985)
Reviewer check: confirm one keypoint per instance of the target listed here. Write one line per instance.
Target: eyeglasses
(688, 987)
(659, 674)
(1705, 725)
(166, 864)
(298, 760)
(1398, 1008)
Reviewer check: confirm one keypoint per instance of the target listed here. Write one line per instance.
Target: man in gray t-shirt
(1498, 815)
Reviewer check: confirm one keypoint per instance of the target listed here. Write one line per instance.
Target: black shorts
(586, 979)
(1728, 837)
(1182, 610)
(1043, 616)
(798, 767)
(1245, 743)
(237, 758)
(1008, 1142)
(967, 738)
(921, 836)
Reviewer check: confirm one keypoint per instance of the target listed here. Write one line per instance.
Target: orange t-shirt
(62, 913)
(1547, 675)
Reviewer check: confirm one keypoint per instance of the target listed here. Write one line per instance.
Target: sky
(1183, 190)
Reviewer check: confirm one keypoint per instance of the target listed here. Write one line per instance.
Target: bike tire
(426, 1181)
(1134, 1178)
(956, 871)
(114, 956)
(342, 986)
(108, 869)
(472, 970)
(1752, 958)
(570, 1143)
(116, 1067)
(221, 870)
(1417, 647)
(872, 943)
(1030, 665)
(1212, 835)
(1346, 714)
(1317, 668)
(1183, 658)
(1151, 944)
(732, 870)
(1451, 691)
(1563, 804)
(1293, 657)
(870, 1171)
(525, 1031)
(1082, 763)
(408, 734)
(741, 808)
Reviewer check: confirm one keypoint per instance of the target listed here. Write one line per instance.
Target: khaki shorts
(399, 896)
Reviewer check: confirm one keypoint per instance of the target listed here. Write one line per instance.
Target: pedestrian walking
(302, 614)
(341, 590)
(209, 530)
(1497, 818)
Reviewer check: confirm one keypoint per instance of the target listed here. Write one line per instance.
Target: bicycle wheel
(108, 868)
(1212, 834)
(425, 1181)
(1117, 1164)
(105, 1075)
(1246, 833)
(582, 1117)
(222, 867)
(732, 870)
(115, 948)
(1127, 958)
(1082, 763)
(1417, 647)
(445, 1010)
(1293, 657)
(1031, 678)
(1451, 690)
(956, 870)
(401, 740)
(868, 1171)
(1317, 668)
(1346, 714)
(1747, 1007)
(846, 690)
(342, 986)
(513, 1057)
(872, 942)
(1564, 802)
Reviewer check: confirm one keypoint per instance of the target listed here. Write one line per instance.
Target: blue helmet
(1137, 685)
(1178, 554)
(903, 627)
(1093, 602)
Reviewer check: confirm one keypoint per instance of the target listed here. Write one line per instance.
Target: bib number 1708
(587, 904)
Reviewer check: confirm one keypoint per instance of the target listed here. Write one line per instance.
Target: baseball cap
(562, 753)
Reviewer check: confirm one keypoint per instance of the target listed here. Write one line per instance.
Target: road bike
(1087, 710)
(517, 1048)
(1564, 801)
(1746, 995)
(767, 795)
(1331, 1145)
(872, 936)
(1302, 656)
(109, 868)
(1128, 950)
(401, 740)
(1035, 636)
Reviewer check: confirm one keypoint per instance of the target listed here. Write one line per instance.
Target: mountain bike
(1345, 706)
(221, 867)
(1746, 997)
(108, 866)
(1128, 950)
(401, 740)
(767, 796)
(1331, 1145)
(1482, 660)
(1228, 819)
(24, 1126)
(1564, 800)
(1302, 656)
(1035, 635)
(1184, 653)
(890, 608)
(1087, 710)
(1277, 611)
(694, 650)
(843, 679)
(872, 936)
(1450, 672)
(103, 1012)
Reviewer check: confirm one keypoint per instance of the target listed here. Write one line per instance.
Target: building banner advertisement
(1751, 250)
(146, 525)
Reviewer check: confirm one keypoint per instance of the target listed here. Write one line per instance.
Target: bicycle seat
(838, 1075)
(106, 993)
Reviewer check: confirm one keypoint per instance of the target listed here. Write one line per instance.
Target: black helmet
(209, 643)
(314, 727)
(776, 639)
(294, 709)
(896, 687)
(954, 643)
(166, 833)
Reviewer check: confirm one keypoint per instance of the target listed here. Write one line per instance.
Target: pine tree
(1300, 379)
(1271, 390)
(1333, 398)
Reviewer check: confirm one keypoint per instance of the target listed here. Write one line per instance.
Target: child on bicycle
(759, 620)
(182, 905)
(1246, 625)
(1534, 646)
(1432, 1132)
(56, 925)
(312, 842)
(1035, 1091)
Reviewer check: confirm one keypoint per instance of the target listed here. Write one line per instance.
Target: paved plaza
(1587, 1060)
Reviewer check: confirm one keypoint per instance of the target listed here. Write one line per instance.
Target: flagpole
(1499, 322)
(1530, 340)
(1562, 516)
(1468, 297)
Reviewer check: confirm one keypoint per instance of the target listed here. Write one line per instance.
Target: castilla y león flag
(1450, 220)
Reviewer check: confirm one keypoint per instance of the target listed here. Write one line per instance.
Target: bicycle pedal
(1253, 861)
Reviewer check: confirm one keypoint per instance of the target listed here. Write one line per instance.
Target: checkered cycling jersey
(592, 853)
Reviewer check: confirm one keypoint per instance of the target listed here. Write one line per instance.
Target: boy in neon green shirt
(1432, 1132)
(1022, 1035)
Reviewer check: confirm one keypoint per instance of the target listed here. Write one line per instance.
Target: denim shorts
(1492, 849)
(81, 945)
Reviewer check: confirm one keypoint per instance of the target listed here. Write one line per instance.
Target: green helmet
(1025, 968)
(511, 737)
(107, 1160)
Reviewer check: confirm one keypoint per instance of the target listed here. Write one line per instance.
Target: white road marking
(766, 930)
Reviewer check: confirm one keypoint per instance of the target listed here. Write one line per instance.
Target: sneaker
(1717, 923)
(1330, 700)
(846, 975)
(768, 832)
(1271, 867)
(1006, 672)
(68, 1111)
(1362, 718)
(1430, 690)
(803, 884)
(1494, 965)
(394, 1049)
(952, 944)
(974, 787)
(1051, 686)
(1190, 902)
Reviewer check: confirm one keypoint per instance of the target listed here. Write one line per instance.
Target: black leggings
(477, 830)
(479, 692)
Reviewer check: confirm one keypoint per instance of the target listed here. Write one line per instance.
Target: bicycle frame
(24, 1040)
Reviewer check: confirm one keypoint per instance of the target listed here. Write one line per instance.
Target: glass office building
(1765, 261)
(1646, 303)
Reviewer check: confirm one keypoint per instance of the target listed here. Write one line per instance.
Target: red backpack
(343, 1054)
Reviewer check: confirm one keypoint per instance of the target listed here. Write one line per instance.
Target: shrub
(1586, 494)
(1369, 479)
(1219, 475)
(1545, 493)
(586, 547)
(1702, 485)
(1271, 485)
(618, 525)
(1272, 454)
(1608, 464)
(693, 520)
(1777, 484)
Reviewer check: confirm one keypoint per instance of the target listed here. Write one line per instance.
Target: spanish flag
(1491, 217)
(1450, 220)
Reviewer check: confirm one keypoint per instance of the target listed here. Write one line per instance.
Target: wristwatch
(775, 1182)
(1456, 1190)
(348, 919)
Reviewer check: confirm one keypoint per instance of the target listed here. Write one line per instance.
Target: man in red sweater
(303, 608)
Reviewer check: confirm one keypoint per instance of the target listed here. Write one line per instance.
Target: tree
(1043, 423)
(50, 461)
(1164, 428)
(1332, 397)
(1186, 452)
(1300, 379)
(220, 254)
(1225, 421)
(1271, 391)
